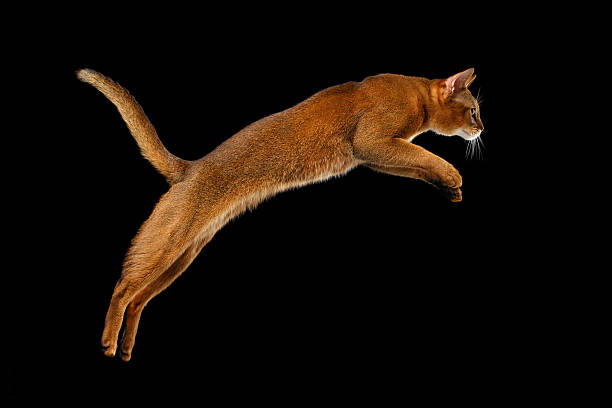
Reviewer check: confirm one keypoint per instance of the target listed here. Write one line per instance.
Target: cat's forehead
(466, 99)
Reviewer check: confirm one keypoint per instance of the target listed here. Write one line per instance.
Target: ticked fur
(369, 123)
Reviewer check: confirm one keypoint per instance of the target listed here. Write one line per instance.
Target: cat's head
(458, 112)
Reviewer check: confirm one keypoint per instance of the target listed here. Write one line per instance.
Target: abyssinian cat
(370, 123)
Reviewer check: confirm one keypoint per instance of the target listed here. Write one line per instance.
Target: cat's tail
(170, 166)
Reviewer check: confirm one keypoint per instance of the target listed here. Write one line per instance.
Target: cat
(369, 123)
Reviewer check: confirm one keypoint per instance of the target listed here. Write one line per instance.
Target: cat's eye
(473, 110)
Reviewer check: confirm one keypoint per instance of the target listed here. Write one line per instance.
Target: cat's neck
(428, 98)
(431, 103)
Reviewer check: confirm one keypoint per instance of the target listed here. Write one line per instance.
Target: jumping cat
(369, 123)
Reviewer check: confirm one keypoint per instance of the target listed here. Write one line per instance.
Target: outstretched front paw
(453, 194)
(448, 180)
(451, 178)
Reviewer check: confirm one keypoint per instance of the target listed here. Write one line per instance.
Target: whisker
(479, 98)
(480, 147)
(467, 149)
(470, 150)
(475, 148)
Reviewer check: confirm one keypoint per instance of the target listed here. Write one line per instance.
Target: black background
(367, 286)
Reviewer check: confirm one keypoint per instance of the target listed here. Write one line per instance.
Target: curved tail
(170, 166)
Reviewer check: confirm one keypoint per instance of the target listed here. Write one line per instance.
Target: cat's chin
(468, 136)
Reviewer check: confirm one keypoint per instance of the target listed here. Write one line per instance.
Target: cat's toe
(109, 351)
(453, 194)
(454, 180)
(456, 195)
(125, 356)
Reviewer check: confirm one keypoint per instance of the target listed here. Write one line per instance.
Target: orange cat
(368, 123)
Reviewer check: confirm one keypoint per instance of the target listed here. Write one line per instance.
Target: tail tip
(85, 74)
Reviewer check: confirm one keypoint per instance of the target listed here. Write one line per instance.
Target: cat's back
(324, 112)
(392, 86)
(313, 134)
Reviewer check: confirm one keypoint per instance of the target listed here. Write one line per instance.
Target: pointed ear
(469, 81)
(458, 82)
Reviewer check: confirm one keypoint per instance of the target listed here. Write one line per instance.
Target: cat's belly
(252, 197)
(317, 168)
(322, 170)
(244, 191)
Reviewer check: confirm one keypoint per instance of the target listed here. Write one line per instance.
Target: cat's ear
(458, 82)
(469, 81)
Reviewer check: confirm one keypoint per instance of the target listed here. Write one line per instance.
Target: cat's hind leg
(163, 238)
(135, 307)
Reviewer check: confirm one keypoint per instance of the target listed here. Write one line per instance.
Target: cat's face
(459, 112)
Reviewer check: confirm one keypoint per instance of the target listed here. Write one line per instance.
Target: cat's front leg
(399, 157)
(452, 193)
